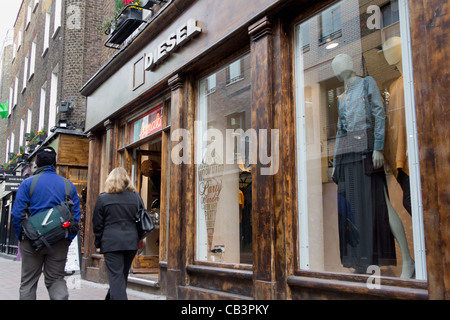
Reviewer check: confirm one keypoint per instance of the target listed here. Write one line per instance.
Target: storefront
(287, 149)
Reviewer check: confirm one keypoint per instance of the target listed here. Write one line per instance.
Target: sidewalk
(79, 289)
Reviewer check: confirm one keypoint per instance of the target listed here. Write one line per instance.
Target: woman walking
(116, 235)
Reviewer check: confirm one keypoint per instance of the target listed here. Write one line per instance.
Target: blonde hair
(118, 181)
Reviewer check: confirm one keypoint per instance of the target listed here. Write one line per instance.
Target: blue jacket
(48, 192)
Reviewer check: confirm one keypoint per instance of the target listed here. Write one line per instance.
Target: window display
(353, 172)
(224, 190)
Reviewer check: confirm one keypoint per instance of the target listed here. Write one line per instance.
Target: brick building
(5, 56)
(56, 48)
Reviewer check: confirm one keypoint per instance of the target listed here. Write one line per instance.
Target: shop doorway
(148, 183)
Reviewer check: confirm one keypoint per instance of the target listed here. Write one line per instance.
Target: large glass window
(224, 191)
(358, 186)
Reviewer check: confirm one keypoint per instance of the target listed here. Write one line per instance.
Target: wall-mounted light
(62, 124)
(65, 107)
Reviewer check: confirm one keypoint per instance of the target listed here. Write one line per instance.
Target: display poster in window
(210, 186)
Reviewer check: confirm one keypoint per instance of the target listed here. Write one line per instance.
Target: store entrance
(148, 183)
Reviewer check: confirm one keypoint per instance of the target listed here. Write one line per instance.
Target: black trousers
(403, 180)
(118, 265)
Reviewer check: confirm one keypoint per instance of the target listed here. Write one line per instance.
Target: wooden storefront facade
(143, 109)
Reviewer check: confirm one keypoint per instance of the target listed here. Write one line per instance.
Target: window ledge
(55, 33)
(44, 52)
(358, 288)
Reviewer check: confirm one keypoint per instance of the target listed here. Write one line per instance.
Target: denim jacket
(361, 123)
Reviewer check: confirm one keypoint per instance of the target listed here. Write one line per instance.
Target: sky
(8, 15)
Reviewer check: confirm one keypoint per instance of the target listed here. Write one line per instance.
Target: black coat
(114, 221)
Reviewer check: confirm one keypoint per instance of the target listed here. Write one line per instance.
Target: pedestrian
(114, 223)
(49, 191)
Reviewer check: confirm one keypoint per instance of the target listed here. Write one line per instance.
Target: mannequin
(396, 145)
(360, 138)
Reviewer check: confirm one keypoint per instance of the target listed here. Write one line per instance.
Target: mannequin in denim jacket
(343, 69)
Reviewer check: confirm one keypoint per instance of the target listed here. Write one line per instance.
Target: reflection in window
(353, 174)
(224, 197)
(234, 72)
(390, 13)
(304, 36)
(330, 24)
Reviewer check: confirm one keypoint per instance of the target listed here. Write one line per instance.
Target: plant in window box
(127, 18)
(12, 162)
(41, 136)
(123, 22)
(21, 156)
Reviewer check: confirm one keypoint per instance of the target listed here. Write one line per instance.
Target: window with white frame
(46, 33)
(7, 151)
(29, 118)
(357, 151)
(16, 90)
(22, 132)
(35, 5)
(28, 21)
(11, 100)
(11, 146)
(19, 39)
(32, 59)
(41, 121)
(25, 74)
(53, 101)
(14, 51)
(57, 21)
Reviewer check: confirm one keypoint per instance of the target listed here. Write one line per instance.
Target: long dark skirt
(365, 237)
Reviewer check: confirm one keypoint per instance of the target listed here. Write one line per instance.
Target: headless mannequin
(396, 155)
(343, 69)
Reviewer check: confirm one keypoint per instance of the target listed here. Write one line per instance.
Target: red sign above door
(147, 125)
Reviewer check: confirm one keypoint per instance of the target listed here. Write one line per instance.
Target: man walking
(49, 191)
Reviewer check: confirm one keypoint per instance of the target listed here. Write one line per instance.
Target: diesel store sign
(175, 40)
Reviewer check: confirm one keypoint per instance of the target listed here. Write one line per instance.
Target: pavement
(79, 289)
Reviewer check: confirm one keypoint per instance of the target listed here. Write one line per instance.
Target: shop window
(224, 196)
(358, 175)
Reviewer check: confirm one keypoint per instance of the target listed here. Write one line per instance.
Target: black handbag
(144, 222)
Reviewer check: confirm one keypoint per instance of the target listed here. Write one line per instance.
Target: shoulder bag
(47, 227)
(144, 222)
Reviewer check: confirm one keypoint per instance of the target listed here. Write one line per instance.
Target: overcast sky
(8, 15)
